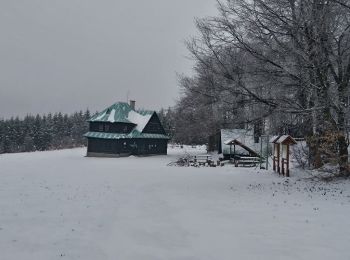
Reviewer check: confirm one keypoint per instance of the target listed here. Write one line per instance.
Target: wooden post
(234, 152)
(261, 153)
(287, 162)
(267, 152)
(278, 159)
(274, 157)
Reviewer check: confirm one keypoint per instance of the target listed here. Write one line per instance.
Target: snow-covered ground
(62, 205)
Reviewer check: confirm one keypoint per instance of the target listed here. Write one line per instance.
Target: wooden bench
(203, 159)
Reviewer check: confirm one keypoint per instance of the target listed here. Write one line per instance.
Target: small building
(121, 130)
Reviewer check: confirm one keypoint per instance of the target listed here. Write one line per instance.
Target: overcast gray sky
(67, 55)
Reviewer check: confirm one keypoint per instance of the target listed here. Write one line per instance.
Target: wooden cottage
(121, 130)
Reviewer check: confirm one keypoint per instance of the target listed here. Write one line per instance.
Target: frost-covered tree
(285, 63)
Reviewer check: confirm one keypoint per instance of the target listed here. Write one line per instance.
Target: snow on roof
(227, 142)
(111, 116)
(100, 116)
(230, 141)
(139, 120)
(121, 112)
(283, 138)
(115, 113)
(274, 138)
(241, 146)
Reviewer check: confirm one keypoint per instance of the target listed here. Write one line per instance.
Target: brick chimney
(132, 104)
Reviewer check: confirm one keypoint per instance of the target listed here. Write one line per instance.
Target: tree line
(43, 132)
(278, 66)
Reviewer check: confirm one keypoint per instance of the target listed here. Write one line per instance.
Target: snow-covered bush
(301, 154)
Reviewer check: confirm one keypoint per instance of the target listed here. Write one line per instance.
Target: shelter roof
(244, 136)
(285, 139)
(236, 142)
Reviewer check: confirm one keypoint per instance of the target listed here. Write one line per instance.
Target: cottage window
(125, 129)
(106, 128)
(151, 146)
(100, 127)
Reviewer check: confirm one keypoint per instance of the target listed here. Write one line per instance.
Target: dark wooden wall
(214, 143)
(111, 127)
(96, 145)
(152, 146)
(154, 126)
(127, 146)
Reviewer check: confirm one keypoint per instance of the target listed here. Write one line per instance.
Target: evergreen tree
(43, 132)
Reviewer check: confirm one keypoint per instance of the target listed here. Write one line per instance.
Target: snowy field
(62, 205)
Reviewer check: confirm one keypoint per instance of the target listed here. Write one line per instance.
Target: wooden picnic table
(246, 160)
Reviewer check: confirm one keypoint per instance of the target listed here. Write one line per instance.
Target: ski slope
(62, 205)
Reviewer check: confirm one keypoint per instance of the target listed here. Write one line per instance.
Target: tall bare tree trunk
(343, 146)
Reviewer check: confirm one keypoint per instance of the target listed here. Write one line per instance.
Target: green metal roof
(118, 113)
(133, 134)
(122, 113)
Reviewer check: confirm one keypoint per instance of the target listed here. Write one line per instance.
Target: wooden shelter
(244, 136)
(234, 143)
(282, 154)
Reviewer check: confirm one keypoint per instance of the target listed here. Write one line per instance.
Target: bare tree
(279, 57)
